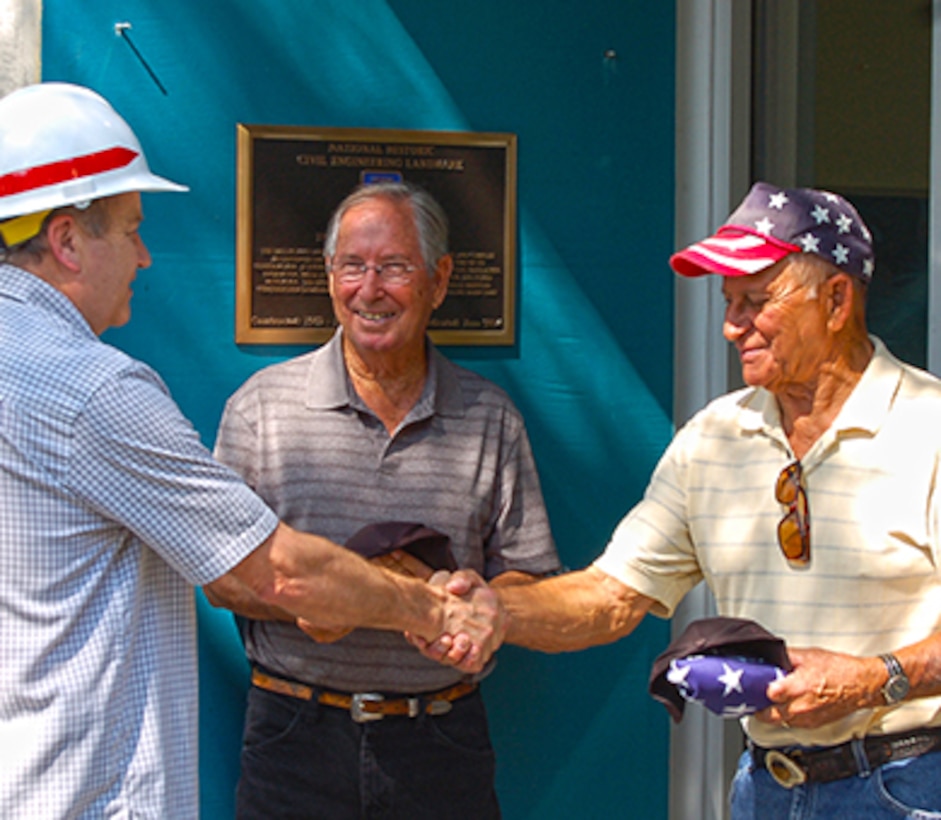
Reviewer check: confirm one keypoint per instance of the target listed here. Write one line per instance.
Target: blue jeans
(302, 760)
(903, 788)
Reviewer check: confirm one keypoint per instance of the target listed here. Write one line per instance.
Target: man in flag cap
(110, 507)
(809, 503)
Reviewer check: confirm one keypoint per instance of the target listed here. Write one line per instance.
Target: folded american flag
(727, 685)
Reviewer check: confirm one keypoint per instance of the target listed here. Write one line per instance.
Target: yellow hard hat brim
(21, 228)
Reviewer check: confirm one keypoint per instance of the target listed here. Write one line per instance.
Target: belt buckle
(439, 707)
(358, 713)
(785, 771)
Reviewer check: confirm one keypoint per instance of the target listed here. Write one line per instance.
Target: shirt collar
(329, 386)
(26, 287)
(865, 408)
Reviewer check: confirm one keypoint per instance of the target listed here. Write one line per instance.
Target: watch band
(897, 686)
(892, 664)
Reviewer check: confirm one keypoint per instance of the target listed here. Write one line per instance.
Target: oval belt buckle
(785, 771)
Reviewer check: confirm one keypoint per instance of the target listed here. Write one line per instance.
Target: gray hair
(430, 218)
(95, 220)
(811, 270)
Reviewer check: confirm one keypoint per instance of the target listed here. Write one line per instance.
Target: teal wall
(576, 735)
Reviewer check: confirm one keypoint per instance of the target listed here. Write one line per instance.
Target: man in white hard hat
(111, 509)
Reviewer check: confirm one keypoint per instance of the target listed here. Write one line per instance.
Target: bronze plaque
(290, 180)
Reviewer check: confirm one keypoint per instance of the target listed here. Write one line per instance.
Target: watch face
(896, 688)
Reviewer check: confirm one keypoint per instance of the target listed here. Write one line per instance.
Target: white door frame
(712, 125)
(20, 43)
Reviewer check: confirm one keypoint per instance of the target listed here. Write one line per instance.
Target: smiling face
(382, 321)
(778, 324)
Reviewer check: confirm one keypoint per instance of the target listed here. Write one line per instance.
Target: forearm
(229, 593)
(312, 578)
(572, 611)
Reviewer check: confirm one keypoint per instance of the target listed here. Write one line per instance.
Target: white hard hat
(63, 144)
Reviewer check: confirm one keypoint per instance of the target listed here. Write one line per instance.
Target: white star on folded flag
(731, 679)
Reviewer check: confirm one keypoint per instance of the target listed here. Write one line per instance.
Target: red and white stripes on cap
(772, 223)
(733, 251)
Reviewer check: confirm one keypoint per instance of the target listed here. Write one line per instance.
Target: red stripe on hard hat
(30, 179)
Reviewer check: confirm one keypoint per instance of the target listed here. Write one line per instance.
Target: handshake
(463, 621)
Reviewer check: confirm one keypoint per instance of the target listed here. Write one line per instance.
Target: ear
(841, 296)
(65, 241)
(326, 270)
(442, 277)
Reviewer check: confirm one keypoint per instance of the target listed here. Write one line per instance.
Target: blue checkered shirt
(110, 510)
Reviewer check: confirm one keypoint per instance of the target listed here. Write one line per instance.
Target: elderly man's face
(780, 334)
(378, 317)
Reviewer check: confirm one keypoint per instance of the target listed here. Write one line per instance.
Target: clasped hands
(474, 620)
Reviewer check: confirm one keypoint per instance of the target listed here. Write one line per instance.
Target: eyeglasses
(794, 528)
(353, 271)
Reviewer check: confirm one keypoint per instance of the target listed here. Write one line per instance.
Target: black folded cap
(427, 545)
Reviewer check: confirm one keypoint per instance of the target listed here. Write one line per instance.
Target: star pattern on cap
(821, 214)
(819, 222)
(809, 243)
(772, 222)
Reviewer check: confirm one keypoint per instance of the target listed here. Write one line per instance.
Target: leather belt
(365, 707)
(792, 766)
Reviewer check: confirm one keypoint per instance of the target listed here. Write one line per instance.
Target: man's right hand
(469, 646)
(479, 618)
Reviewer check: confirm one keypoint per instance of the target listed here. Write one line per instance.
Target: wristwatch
(897, 686)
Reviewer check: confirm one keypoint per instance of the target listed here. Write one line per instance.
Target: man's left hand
(823, 687)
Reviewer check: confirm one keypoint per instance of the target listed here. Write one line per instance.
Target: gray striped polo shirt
(460, 462)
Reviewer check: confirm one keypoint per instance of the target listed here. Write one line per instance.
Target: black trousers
(305, 761)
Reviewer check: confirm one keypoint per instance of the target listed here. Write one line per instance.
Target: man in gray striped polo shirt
(377, 426)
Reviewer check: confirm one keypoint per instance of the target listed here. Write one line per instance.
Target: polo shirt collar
(329, 386)
(23, 286)
(871, 400)
(865, 409)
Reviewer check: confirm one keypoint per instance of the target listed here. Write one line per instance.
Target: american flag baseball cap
(773, 222)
